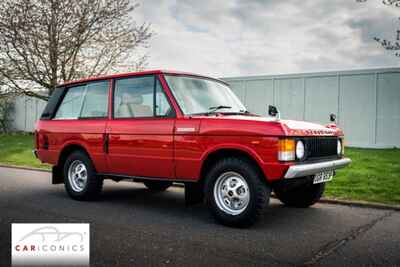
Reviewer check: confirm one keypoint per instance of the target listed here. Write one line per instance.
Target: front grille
(320, 147)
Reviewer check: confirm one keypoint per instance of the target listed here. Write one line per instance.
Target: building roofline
(314, 74)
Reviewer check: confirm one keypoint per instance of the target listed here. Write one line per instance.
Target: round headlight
(300, 151)
(339, 147)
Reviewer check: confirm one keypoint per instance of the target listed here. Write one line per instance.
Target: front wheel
(235, 193)
(300, 196)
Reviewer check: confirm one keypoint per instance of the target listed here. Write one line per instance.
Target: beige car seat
(132, 106)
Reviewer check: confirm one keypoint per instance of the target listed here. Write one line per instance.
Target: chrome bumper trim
(302, 170)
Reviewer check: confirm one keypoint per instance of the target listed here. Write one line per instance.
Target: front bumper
(302, 170)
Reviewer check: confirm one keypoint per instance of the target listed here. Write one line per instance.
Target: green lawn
(373, 176)
(16, 149)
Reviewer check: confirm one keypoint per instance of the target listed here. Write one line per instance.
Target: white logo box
(54, 244)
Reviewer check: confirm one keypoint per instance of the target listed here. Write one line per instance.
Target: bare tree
(393, 45)
(45, 42)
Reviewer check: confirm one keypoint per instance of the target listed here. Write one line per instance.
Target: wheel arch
(68, 149)
(57, 170)
(212, 157)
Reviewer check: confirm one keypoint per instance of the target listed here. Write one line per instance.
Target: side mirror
(273, 111)
(332, 117)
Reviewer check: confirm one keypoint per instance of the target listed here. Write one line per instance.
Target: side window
(85, 101)
(95, 102)
(163, 108)
(71, 104)
(134, 97)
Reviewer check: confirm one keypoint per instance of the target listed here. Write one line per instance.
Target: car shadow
(132, 198)
(169, 203)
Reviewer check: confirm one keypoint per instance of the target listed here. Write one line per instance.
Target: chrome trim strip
(302, 170)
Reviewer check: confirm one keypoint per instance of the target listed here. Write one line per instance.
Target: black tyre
(80, 179)
(302, 195)
(235, 193)
(157, 185)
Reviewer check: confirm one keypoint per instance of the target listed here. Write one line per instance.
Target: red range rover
(160, 127)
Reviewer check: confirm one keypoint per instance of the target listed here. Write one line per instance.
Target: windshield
(201, 96)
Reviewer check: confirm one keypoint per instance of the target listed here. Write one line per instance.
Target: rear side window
(71, 104)
(95, 102)
(84, 101)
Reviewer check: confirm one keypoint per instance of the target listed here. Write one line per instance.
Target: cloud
(231, 38)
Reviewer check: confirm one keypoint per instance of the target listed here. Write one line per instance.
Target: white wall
(26, 112)
(367, 102)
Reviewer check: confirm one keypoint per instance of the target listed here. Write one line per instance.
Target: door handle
(105, 143)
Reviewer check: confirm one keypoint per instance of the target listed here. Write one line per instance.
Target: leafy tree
(45, 42)
(388, 44)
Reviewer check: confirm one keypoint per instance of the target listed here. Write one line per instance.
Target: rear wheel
(157, 185)
(80, 179)
(235, 193)
(302, 195)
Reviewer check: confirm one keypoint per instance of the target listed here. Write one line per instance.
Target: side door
(140, 132)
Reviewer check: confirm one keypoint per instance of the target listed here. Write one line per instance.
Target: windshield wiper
(240, 112)
(213, 109)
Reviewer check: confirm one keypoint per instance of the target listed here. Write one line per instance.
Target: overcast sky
(254, 37)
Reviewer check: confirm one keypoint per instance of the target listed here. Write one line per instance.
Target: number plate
(323, 177)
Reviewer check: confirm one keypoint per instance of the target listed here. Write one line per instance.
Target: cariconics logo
(50, 244)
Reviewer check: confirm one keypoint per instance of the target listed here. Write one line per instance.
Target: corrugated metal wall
(26, 112)
(367, 102)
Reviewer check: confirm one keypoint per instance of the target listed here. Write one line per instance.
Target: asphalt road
(131, 226)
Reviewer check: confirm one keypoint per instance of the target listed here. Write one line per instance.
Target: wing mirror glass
(273, 111)
(332, 117)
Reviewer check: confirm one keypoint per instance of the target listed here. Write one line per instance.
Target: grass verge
(16, 149)
(374, 175)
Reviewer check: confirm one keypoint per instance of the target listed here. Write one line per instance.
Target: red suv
(160, 127)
